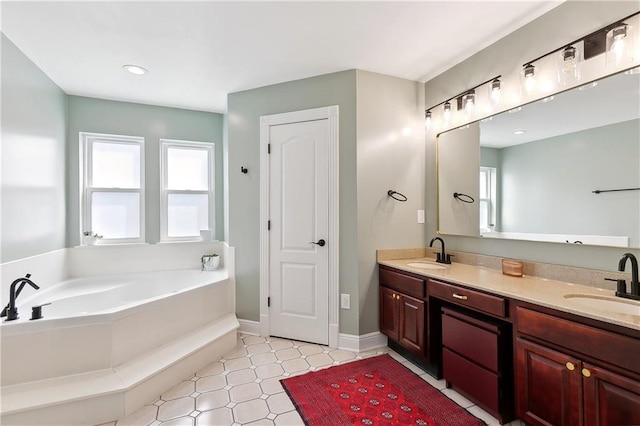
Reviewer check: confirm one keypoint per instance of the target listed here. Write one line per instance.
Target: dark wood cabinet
(402, 319)
(548, 386)
(562, 380)
(476, 360)
(403, 310)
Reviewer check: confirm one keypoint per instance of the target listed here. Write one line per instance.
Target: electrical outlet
(345, 301)
(420, 216)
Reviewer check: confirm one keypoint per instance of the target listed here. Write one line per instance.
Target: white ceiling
(198, 52)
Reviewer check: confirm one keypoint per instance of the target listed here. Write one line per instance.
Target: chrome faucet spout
(635, 285)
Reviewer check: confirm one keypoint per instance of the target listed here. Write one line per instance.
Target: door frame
(329, 113)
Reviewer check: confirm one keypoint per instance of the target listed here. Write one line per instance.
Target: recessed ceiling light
(135, 69)
(514, 110)
(548, 99)
(519, 132)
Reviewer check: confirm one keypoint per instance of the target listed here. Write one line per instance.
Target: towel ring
(463, 197)
(396, 195)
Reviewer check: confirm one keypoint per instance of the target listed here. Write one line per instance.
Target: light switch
(420, 216)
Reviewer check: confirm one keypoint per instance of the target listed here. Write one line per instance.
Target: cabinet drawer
(476, 300)
(402, 283)
(478, 383)
(474, 339)
(616, 349)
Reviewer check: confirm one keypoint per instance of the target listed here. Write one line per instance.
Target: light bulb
(495, 91)
(427, 120)
(568, 66)
(447, 112)
(529, 79)
(469, 102)
(619, 45)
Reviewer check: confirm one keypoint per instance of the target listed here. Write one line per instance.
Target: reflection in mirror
(540, 167)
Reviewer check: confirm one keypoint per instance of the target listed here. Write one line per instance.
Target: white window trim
(492, 200)
(86, 147)
(165, 144)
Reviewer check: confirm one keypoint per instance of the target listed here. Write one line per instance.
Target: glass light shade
(469, 103)
(568, 66)
(495, 92)
(619, 46)
(446, 115)
(528, 79)
(427, 119)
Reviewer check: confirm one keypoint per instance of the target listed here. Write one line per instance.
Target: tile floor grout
(243, 388)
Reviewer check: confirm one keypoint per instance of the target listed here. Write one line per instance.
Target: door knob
(321, 243)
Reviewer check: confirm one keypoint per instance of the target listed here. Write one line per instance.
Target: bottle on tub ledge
(90, 238)
(210, 262)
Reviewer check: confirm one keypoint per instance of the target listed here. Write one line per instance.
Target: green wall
(34, 115)
(153, 123)
(243, 148)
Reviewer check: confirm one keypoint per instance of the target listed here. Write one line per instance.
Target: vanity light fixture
(495, 91)
(135, 69)
(528, 78)
(569, 66)
(427, 119)
(447, 112)
(464, 101)
(469, 102)
(619, 45)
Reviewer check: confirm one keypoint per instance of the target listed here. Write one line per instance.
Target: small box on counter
(514, 268)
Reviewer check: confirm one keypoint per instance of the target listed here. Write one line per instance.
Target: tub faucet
(10, 311)
(441, 257)
(635, 285)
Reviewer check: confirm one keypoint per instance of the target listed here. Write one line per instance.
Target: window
(487, 199)
(113, 187)
(187, 189)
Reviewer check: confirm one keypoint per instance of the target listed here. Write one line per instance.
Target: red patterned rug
(373, 391)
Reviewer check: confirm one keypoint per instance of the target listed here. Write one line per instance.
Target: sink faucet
(441, 257)
(10, 311)
(635, 285)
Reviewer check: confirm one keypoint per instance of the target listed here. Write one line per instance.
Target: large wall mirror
(564, 169)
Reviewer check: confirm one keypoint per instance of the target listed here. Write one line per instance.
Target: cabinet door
(389, 314)
(412, 324)
(548, 386)
(609, 399)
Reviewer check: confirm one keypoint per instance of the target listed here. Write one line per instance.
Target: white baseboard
(363, 343)
(249, 327)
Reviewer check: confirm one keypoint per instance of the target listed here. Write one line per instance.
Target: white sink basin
(605, 303)
(426, 265)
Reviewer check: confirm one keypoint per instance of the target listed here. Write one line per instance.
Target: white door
(299, 227)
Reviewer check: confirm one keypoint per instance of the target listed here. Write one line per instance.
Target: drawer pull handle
(460, 296)
(570, 366)
(586, 373)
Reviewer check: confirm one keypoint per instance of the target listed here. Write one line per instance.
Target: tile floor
(243, 388)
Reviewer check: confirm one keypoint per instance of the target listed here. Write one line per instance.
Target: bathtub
(106, 345)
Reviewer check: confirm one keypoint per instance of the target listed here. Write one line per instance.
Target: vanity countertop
(543, 292)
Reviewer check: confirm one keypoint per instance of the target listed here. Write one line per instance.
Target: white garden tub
(110, 341)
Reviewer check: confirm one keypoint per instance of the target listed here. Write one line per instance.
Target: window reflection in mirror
(551, 155)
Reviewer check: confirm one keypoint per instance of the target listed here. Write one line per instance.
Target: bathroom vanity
(519, 347)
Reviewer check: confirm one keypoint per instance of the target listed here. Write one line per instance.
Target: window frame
(491, 202)
(86, 191)
(165, 144)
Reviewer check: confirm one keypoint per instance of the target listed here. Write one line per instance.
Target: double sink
(590, 302)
